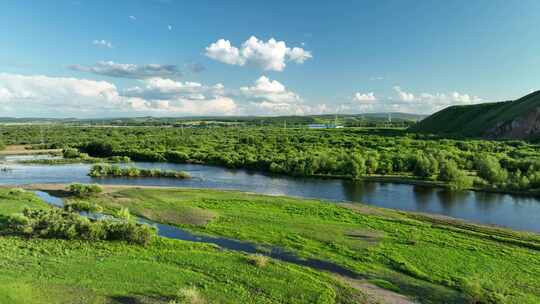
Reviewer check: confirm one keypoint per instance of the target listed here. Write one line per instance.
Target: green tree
(356, 166)
(490, 169)
(456, 178)
(425, 166)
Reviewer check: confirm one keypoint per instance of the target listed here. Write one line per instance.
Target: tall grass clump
(476, 294)
(188, 295)
(82, 190)
(258, 260)
(105, 170)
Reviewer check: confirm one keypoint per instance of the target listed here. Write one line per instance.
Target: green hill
(518, 118)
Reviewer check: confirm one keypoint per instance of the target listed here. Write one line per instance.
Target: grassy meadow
(429, 259)
(71, 271)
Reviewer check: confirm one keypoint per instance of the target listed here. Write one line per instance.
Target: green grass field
(61, 271)
(432, 260)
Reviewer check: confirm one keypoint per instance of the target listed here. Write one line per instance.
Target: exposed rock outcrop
(520, 127)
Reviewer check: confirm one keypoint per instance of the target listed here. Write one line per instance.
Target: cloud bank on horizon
(157, 60)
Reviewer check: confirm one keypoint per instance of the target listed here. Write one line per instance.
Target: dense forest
(351, 152)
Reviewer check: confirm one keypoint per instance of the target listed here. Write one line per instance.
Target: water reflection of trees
(423, 197)
(359, 191)
(448, 199)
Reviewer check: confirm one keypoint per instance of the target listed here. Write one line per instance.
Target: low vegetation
(104, 170)
(354, 153)
(71, 155)
(427, 258)
(259, 260)
(57, 270)
(69, 225)
(188, 295)
(83, 190)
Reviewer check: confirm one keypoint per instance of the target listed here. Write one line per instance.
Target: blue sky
(175, 58)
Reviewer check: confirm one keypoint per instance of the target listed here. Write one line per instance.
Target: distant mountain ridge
(515, 119)
(250, 119)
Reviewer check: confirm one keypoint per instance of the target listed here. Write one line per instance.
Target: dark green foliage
(456, 178)
(71, 153)
(63, 224)
(425, 166)
(490, 169)
(102, 170)
(350, 153)
(82, 190)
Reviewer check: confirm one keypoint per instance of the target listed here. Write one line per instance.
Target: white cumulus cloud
(103, 43)
(269, 97)
(363, 97)
(271, 55)
(39, 95)
(408, 102)
(404, 96)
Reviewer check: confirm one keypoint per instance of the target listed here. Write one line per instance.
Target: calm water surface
(518, 212)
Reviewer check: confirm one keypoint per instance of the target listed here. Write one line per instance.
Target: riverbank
(432, 259)
(59, 189)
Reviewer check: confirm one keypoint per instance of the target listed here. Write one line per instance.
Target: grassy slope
(420, 256)
(475, 120)
(59, 271)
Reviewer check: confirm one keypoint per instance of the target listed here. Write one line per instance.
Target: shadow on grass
(136, 300)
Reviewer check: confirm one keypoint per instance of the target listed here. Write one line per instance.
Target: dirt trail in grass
(375, 294)
(22, 150)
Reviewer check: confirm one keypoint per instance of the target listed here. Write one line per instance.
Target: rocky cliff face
(520, 127)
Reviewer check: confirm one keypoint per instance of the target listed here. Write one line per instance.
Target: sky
(88, 59)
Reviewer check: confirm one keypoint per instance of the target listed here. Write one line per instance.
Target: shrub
(82, 190)
(425, 166)
(124, 213)
(101, 170)
(490, 169)
(71, 153)
(119, 159)
(456, 178)
(16, 191)
(63, 224)
(83, 206)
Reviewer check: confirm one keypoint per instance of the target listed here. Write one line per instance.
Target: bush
(83, 206)
(102, 170)
(490, 169)
(63, 224)
(425, 166)
(456, 178)
(82, 190)
(71, 153)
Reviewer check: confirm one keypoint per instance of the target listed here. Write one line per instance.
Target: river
(513, 211)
